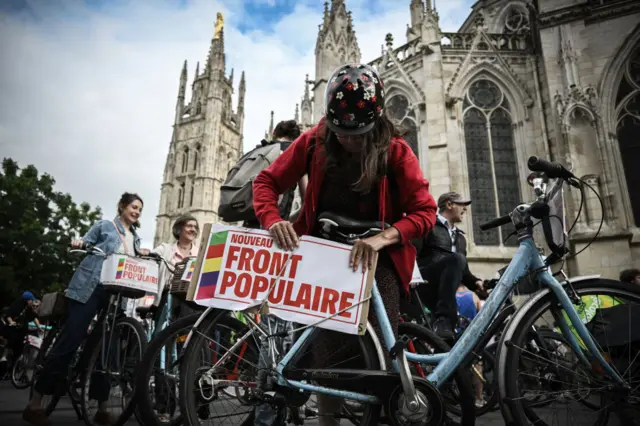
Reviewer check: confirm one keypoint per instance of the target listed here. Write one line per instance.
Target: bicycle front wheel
(108, 382)
(220, 380)
(543, 381)
(157, 380)
(23, 368)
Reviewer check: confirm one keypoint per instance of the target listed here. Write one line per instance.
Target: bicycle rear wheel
(115, 370)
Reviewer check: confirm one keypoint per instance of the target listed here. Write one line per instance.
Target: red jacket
(413, 199)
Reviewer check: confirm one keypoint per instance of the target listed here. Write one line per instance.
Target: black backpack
(236, 193)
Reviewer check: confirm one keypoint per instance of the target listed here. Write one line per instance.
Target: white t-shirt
(128, 238)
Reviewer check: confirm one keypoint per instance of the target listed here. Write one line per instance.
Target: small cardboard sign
(189, 269)
(416, 277)
(239, 268)
(130, 272)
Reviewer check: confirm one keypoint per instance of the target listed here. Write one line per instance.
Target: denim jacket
(104, 236)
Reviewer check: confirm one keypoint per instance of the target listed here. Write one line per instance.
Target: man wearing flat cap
(442, 260)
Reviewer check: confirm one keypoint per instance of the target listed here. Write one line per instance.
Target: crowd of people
(355, 163)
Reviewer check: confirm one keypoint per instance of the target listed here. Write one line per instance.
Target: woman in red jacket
(360, 167)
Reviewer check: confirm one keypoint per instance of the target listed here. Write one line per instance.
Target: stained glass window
(491, 160)
(628, 128)
(401, 112)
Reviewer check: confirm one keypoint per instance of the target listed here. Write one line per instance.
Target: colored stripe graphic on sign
(191, 269)
(211, 265)
(120, 268)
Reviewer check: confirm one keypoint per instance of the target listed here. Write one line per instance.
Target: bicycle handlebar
(500, 221)
(552, 169)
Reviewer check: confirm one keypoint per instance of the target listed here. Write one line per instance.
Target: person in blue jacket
(86, 297)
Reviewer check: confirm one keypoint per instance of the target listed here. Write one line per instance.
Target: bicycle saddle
(348, 224)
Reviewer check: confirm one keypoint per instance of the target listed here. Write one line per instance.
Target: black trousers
(444, 276)
(56, 366)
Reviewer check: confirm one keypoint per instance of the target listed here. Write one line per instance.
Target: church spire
(216, 59)
(271, 126)
(242, 89)
(296, 116)
(336, 45)
(181, 92)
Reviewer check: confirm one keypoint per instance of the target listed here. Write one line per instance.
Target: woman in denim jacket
(86, 297)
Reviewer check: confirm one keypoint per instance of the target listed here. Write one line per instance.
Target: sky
(88, 88)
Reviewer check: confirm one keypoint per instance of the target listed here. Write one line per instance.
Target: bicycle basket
(182, 277)
(53, 306)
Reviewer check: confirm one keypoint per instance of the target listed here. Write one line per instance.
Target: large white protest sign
(130, 272)
(240, 268)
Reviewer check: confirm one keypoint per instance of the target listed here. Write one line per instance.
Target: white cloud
(89, 95)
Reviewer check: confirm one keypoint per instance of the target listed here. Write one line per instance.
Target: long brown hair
(373, 160)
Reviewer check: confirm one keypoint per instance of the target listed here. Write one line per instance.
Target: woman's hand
(144, 252)
(284, 234)
(364, 250)
(77, 244)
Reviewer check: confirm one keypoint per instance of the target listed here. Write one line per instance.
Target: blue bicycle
(382, 376)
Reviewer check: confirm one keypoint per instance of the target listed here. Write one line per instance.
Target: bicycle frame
(526, 259)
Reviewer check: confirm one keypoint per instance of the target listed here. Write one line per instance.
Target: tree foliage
(37, 224)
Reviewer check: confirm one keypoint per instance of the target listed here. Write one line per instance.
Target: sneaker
(35, 417)
(443, 328)
(480, 403)
(104, 418)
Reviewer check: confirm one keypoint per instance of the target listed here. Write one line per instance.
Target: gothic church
(555, 78)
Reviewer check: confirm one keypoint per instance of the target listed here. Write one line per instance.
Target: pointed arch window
(196, 158)
(185, 160)
(181, 196)
(191, 192)
(491, 160)
(401, 112)
(628, 128)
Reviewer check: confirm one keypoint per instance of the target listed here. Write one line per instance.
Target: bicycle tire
(96, 351)
(29, 352)
(143, 379)
(190, 361)
(511, 405)
(460, 377)
(40, 359)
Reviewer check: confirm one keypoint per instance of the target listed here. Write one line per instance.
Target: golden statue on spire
(219, 25)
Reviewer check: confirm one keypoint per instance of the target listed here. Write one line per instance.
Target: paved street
(12, 403)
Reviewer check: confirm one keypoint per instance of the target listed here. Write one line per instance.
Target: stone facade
(206, 143)
(559, 79)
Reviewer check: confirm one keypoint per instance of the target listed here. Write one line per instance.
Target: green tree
(37, 224)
